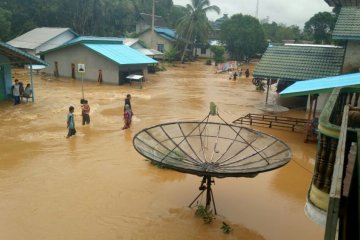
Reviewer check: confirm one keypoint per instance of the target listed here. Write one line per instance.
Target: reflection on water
(96, 186)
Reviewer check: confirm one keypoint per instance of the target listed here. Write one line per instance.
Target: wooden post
(333, 211)
(32, 84)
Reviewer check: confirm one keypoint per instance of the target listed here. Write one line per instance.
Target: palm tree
(195, 26)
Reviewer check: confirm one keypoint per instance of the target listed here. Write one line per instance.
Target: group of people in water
(19, 92)
(235, 74)
(85, 113)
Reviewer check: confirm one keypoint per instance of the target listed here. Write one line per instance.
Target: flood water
(96, 186)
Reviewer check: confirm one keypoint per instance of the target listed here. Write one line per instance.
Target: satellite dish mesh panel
(212, 149)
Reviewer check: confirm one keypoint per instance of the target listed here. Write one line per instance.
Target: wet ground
(96, 186)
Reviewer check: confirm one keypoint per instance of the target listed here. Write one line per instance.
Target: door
(2, 83)
(122, 77)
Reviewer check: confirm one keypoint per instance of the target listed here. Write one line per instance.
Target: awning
(134, 77)
(321, 85)
(149, 52)
(36, 67)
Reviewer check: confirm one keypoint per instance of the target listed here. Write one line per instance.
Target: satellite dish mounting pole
(206, 185)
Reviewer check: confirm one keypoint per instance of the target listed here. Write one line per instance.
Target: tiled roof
(343, 3)
(348, 24)
(219, 21)
(300, 62)
(17, 56)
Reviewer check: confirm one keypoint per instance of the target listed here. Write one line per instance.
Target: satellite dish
(211, 149)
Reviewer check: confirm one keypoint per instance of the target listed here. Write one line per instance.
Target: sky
(289, 12)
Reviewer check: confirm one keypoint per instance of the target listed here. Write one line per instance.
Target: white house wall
(208, 53)
(146, 38)
(80, 54)
(321, 102)
(57, 41)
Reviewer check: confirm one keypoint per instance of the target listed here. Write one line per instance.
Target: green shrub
(219, 52)
(226, 228)
(208, 62)
(205, 214)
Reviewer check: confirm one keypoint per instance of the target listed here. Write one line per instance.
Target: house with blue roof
(162, 39)
(10, 55)
(106, 59)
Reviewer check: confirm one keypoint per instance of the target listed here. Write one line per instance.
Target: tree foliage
(243, 36)
(176, 13)
(194, 26)
(320, 27)
(219, 52)
(279, 32)
(170, 54)
(5, 24)
(86, 17)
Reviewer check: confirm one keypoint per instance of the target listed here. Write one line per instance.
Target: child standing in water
(70, 122)
(127, 116)
(85, 112)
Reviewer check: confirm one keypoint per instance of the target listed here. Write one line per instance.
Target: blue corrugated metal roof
(120, 54)
(166, 37)
(85, 39)
(167, 33)
(95, 39)
(321, 85)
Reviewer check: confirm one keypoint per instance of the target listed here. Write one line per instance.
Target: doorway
(2, 83)
(122, 77)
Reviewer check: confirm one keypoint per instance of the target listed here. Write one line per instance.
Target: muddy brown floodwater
(96, 186)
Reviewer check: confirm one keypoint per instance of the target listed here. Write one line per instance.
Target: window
(160, 48)
(203, 50)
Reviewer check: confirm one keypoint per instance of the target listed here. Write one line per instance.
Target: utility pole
(257, 9)
(152, 25)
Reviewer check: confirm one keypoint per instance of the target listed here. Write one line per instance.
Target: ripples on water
(96, 186)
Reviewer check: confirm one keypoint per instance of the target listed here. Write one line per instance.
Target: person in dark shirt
(247, 73)
(70, 122)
